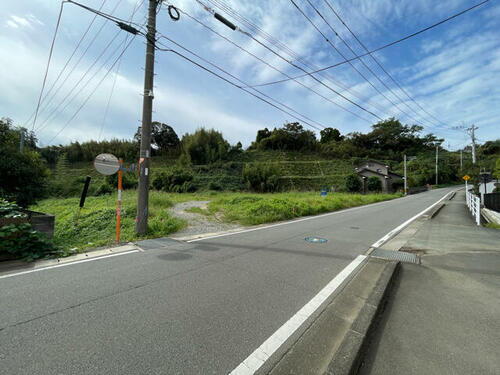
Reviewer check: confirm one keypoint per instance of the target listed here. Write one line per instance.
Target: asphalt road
(182, 308)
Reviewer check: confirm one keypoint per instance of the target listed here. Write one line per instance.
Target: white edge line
(255, 360)
(260, 355)
(67, 264)
(396, 230)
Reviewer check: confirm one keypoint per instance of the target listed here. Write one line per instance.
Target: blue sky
(452, 71)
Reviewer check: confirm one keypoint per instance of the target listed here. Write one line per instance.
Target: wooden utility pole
(147, 113)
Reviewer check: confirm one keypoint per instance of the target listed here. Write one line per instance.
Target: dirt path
(198, 223)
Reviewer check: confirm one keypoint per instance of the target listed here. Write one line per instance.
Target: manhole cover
(316, 239)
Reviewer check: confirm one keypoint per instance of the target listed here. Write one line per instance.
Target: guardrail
(474, 205)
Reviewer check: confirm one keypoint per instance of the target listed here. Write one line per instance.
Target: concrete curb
(433, 211)
(347, 359)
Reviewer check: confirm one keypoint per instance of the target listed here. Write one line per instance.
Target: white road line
(67, 264)
(255, 360)
(396, 230)
(297, 220)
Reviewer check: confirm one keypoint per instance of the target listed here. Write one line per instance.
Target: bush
(374, 184)
(261, 178)
(214, 186)
(177, 181)
(129, 181)
(353, 183)
(23, 177)
(20, 239)
(104, 189)
(205, 146)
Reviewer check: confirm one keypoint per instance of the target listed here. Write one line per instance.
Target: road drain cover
(396, 255)
(316, 239)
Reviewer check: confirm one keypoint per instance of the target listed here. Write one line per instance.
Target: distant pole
(406, 176)
(472, 132)
(147, 113)
(21, 140)
(119, 203)
(437, 157)
(461, 160)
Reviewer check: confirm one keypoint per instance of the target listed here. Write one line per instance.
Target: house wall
(378, 167)
(386, 182)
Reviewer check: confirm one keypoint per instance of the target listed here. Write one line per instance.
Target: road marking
(298, 220)
(67, 264)
(396, 230)
(255, 360)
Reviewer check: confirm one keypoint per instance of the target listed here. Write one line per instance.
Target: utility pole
(461, 161)
(472, 134)
(147, 113)
(406, 176)
(437, 157)
(22, 134)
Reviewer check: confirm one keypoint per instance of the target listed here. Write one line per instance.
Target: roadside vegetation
(95, 225)
(277, 177)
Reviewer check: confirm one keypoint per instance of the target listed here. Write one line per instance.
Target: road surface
(183, 308)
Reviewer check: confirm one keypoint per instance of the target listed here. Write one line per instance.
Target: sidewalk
(443, 317)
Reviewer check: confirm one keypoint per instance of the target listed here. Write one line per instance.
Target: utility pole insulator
(225, 21)
(127, 28)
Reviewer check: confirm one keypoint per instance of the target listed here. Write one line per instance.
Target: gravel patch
(198, 223)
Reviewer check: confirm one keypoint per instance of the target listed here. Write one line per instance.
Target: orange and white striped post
(119, 203)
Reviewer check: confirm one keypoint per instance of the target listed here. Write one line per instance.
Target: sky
(452, 71)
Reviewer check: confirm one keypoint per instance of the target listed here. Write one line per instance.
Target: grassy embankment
(95, 225)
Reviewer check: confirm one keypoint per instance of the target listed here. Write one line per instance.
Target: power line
(48, 63)
(58, 89)
(262, 61)
(119, 21)
(67, 61)
(378, 48)
(244, 83)
(343, 56)
(283, 47)
(366, 66)
(231, 83)
(94, 90)
(378, 62)
(71, 91)
(302, 69)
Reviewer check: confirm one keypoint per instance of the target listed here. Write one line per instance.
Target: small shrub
(129, 180)
(261, 178)
(104, 189)
(353, 183)
(177, 181)
(374, 184)
(20, 239)
(214, 186)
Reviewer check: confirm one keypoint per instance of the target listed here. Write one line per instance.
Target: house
(391, 181)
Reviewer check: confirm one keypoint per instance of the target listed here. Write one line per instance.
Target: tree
(23, 176)
(496, 172)
(163, 137)
(261, 178)
(291, 137)
(205, 146)
(353, 183)
(330, 135)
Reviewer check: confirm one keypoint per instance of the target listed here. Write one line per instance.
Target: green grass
(95, 226)
(252, 209)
